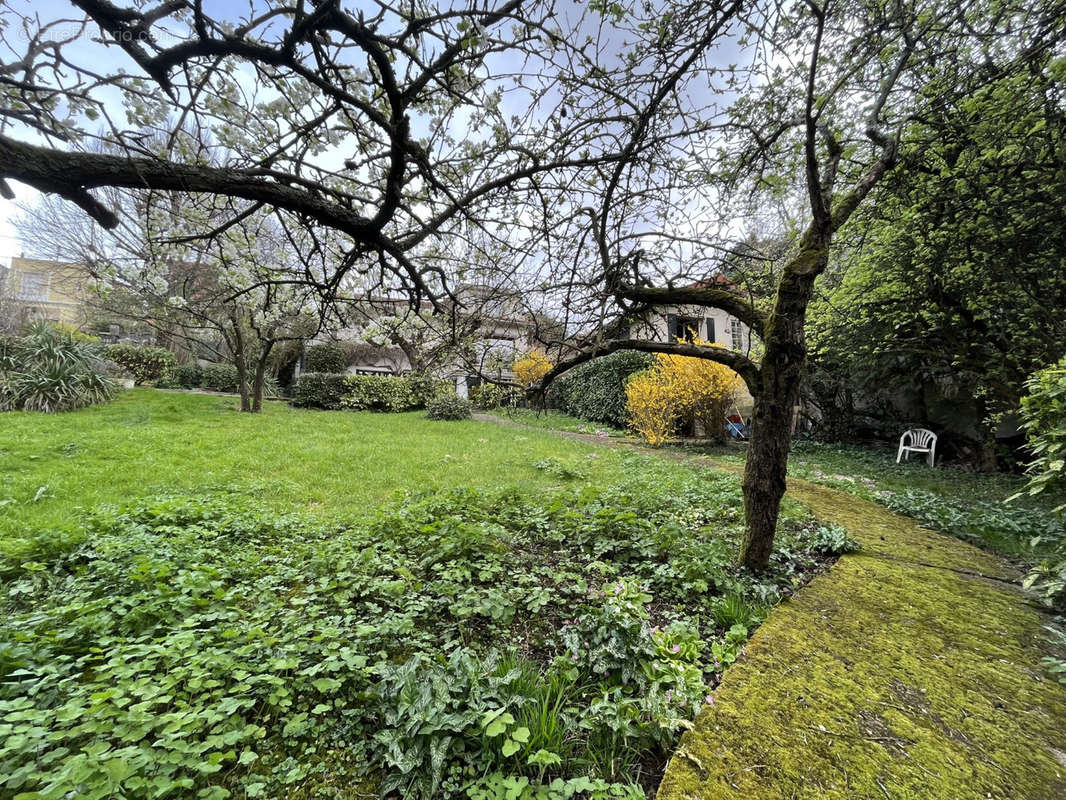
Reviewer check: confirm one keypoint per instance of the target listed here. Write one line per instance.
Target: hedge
(334, 391)
(327, 357)
(147, 364)
(488, 396)
(319, 390)
(220, 378)
(596, 390)
(189, 376)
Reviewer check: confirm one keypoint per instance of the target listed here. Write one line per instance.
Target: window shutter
(710, 329)
(671, 327)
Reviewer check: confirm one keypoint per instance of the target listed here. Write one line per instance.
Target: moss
(909, 670)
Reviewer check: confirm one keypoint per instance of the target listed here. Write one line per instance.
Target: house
(668, 323)
(480, 343)
(33, 289)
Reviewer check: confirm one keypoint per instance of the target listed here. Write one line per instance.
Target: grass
(148, 441)
(553, 420)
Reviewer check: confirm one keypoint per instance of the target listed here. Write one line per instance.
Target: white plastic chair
(917, 440)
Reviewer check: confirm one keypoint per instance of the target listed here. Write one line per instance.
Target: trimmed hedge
(147, 364)
(326, 357)
(189, 376)
(319, 390)
(488, 396)
(334, 391)
(596, 390)
(220, 378)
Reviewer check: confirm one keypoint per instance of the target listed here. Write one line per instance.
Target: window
(32, 287)
(737, 331)
(686, 328)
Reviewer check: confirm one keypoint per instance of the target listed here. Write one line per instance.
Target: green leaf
(496, 722)
(520, 734)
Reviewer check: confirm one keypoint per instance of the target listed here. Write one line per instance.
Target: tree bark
(781, 375)
(242, 365)
(260, 377)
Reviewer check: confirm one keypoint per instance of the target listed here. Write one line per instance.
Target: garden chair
(736, 426)
(917, 440)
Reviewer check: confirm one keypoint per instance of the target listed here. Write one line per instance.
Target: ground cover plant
(974, 506)
(456, 642)
(978, 507)
(985, 509)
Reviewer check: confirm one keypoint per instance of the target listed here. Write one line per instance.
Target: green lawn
(550, 419)
(327, 462)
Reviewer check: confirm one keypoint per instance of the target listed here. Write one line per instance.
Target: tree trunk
(782, 369)
(241, 364)
(260, 378)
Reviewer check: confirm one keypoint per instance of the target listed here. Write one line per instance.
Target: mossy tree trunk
(781, 375)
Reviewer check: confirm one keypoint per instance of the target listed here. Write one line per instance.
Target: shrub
(220, 378)
(326, 357)
(531, 367)
(448, 407)
(147, 364)
(189, 376)
(596, 391)
(650, 407)
(487, 396)
(319, 390)
(702, 390)
(387, 392)
(51, 370)
(335, 391)
(680, 388)
(1044, 420)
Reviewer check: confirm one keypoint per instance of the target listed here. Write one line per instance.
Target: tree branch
(723, 299)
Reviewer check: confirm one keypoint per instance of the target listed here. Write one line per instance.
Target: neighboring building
(668, 323)
(713, 325)
(34, 290)
(496, 330)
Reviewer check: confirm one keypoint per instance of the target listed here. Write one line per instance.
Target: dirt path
(908, 670)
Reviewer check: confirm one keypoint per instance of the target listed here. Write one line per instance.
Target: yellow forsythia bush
(680, 388)
(531, 367)
(650, 407)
